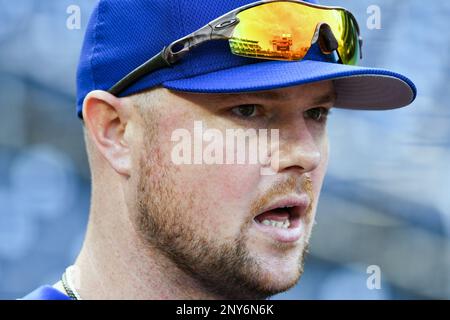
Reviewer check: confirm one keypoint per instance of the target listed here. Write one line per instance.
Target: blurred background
(385, 204)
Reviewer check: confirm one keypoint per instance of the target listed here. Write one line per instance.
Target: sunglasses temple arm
(360, 39)
(157, 62)
(339, 56)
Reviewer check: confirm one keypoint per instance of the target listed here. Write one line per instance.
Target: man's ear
(106, 119)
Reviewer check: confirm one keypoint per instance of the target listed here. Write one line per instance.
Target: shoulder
(46, 292)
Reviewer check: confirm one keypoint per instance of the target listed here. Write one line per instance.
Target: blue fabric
(46, 293)
(123, 34)
(274, 74)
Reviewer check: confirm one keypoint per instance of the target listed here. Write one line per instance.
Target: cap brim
(356, 87)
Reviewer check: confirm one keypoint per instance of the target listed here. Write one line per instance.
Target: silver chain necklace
(67, 282)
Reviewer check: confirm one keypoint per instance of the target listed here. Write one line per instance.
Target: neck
(114, 263)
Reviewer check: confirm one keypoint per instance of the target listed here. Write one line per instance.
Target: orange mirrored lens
(285, 30)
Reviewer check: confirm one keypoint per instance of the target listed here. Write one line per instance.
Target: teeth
(277, 224)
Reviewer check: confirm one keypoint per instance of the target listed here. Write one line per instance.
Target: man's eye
(246, 111)
(317, 114)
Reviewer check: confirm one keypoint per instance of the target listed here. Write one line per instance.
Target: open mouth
(283, 221)
(283, 217)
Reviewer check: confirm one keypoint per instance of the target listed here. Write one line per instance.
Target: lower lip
(291, 234)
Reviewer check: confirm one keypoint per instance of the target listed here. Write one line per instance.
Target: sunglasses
(271, 30)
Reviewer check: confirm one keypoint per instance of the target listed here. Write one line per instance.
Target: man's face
(213, 221)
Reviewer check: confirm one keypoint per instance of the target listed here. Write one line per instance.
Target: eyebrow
(325, 99)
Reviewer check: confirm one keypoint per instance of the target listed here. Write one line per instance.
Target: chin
(280, 274)
(272, 283)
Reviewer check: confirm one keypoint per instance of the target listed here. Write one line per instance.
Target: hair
(144, 102)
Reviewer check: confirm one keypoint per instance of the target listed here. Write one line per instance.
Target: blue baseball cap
(123, 34)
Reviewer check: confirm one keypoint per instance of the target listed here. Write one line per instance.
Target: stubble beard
(224, 269)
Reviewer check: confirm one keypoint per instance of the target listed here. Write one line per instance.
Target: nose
(298, 150)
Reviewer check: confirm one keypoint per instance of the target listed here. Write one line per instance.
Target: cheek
(317, 176)
(223, 191)
(224, 182)
(232, 182)
(215, 198)
(220, 193)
